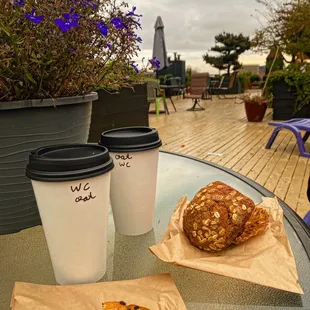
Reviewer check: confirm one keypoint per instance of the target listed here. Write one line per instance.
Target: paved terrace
(222, 129)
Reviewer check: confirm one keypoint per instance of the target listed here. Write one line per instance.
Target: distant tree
(229, 46)
(275, 60)
(189, 72)
(285, 24)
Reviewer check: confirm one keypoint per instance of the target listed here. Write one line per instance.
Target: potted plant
(53, 55)
(255, 107)
(291, 92)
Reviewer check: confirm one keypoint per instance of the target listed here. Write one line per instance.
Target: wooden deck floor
(221, 134)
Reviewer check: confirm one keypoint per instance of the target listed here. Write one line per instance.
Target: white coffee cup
(71, 185)
(135, 153)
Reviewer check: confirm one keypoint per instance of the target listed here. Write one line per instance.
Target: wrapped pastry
(120, 305)
(219, 216)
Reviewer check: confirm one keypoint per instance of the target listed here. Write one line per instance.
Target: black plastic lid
(59, 163)
(130, 139)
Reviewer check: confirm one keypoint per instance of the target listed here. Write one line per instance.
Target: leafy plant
(278, 64)
(59, 48)
(254, 78)
(244, 78)
(163, 78)
(229, 46)
(297, 77)
(285, 24)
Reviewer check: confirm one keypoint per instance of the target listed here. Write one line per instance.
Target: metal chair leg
(306, 136)
(166, 106)
(193, 108)
(173, 104)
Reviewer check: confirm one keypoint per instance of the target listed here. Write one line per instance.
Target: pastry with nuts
(120, 305)
(219, 216)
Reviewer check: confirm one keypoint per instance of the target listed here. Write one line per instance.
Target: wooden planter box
(127, 108)
(284, 103)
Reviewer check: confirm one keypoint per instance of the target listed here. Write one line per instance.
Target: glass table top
(24, 256)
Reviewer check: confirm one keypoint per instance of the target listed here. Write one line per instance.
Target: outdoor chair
(294, 125)
(307, 216)
(307, 219)
(223, 91)
(154, 95)
(199, 89)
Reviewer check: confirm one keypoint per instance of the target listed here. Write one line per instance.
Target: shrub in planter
(291, 92)
(254, 78)
(53, 55)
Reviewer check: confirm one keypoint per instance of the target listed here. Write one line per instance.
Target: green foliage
(254, 78)
(188, 79)
(42, 61)
(244, 78)
(164, 78)
(285, 24)
(297, 78)
(278, 64)
(229, 46)
(161, 79)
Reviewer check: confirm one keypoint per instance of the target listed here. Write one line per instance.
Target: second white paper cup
(135, 152)
(133, 191)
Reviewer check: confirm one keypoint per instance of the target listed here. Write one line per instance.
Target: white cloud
(190, 26)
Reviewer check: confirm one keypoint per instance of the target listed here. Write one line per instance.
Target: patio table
(24, 256)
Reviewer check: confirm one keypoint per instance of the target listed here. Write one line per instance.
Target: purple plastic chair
(294, 125)
(307, 219)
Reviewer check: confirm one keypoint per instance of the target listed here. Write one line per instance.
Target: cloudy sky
(190, 26)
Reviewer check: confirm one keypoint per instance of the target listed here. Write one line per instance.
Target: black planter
(284, 103)
(27, 125)
(127, 108)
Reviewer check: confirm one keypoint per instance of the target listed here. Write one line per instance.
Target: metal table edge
(291, 216)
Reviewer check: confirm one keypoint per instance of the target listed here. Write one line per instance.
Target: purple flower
(88, 3)
(155, 63)
(33, 17)
(70, 20)
(108, 45)
(19, 2)
(135, 36)
(137, 22)
(132, 12)
(118, 23)
(102, 27)
(135, 68)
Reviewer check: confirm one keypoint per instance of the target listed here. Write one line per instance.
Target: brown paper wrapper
(155, 292)
(266, 260)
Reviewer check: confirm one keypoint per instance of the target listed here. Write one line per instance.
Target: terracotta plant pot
(255, 112)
